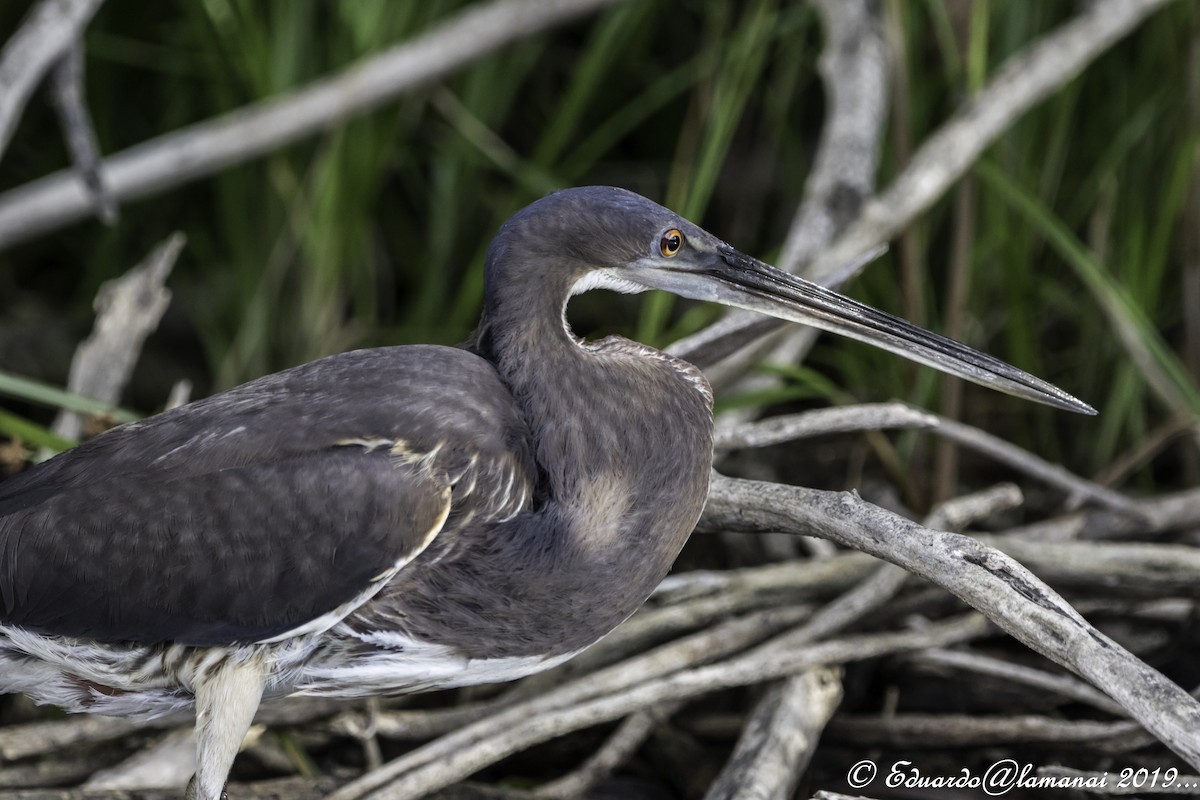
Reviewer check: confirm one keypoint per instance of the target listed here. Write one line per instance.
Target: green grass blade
(1160, 367)
(44, 394)
(31, 433)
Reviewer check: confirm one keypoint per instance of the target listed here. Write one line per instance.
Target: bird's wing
(281, 504)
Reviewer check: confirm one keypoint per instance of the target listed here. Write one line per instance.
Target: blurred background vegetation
(1085, 218)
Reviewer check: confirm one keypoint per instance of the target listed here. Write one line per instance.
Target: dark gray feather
(246, 514)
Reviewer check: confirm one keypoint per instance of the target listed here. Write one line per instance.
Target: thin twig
(790, 579)
(294, 788)
(1154, 515)
(963, 730)
(79, 730)
(47, 32)
(958, 513)
(1063, 685)
(878, 416)
(207, 147)
(868, 595)
(73, 117)
(623, 742)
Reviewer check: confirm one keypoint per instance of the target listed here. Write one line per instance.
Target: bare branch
(205, 148)
(168, 762)
(876, 416)
(1025, 79)
(780, 738)
(79, 730)
(956, 514)
(77, 130)
(1114, 569)
(1063, 685)
(127, 311)
(868, 595)
(47, 32)
(619, 747)
(1021, 82)
(956, 730)
(35, 738)
(854, 71)
(464, 752)
(1009, 594)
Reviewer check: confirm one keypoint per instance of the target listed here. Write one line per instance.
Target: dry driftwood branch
(1113, 569)
(699, 648)
(1120, 569)
(957, 513)
(78, 730)
(464, 752)
(715, 642)
(169, 761)
(634, 637)
(36, 738)
(960, 730)
(202, 149)
(76, 122)
(878, 416)
(55, 771)
(780, 738)
(783, 730)
(1154, 515)
(280, 789)
(1009, 594)
(872, 593)
(1025, 79)
(47, 32)
(418, 724)
(854, 69)
(792, 579)
(623, 743)
(127, 311)
(1063, 685)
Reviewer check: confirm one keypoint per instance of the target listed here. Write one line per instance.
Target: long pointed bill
(734, 279)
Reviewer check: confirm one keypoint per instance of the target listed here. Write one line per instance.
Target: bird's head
(596, 237)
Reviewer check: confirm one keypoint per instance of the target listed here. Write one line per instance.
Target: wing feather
(256, 511)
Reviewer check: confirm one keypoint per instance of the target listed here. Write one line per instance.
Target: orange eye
(671, 242)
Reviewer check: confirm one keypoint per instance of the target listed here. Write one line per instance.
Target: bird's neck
(622, 432)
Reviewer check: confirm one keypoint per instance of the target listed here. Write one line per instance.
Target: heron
(402, 519)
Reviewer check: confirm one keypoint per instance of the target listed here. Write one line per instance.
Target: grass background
(1083, 221)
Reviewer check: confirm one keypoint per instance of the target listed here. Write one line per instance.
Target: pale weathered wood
(48, 31)
(207, 147)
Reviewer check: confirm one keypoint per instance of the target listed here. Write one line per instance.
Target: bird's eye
(671, 242)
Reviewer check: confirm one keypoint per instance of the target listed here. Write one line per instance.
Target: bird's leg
(226, 700)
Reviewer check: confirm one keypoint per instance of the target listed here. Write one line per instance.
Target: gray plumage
(402, 518)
